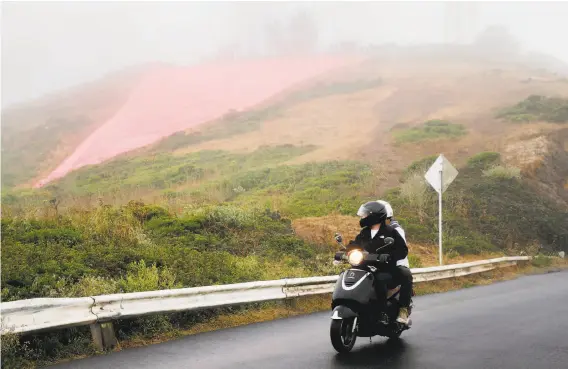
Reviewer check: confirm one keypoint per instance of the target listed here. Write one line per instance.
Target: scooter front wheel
(342, 335)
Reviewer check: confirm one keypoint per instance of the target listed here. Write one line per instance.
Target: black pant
(403, 276)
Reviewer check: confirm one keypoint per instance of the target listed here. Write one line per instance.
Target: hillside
(359, 105)
(289, 163)
(357, 124)
(239, 194)
(154, 104)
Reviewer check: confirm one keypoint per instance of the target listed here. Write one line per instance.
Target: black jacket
(398, 250)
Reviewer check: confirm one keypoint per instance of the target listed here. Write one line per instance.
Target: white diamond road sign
(440, 175)
(449, 173)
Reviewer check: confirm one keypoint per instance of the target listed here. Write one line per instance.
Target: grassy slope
(280, 156)
(488, 210)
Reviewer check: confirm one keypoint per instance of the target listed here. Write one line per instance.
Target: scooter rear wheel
(342, 336)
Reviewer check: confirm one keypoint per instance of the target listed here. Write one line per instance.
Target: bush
(483, 160)
(417, 194)
(13, 352)
(43, 349)
(470, 243)
(419, 166)
(91, 286)
(144, 327)
(431, 130)
(231, 217)
(535, 108)
(541, 261)
(502, 172)
(137, 247)
(414, 261)
(335, 88)
(141, 278)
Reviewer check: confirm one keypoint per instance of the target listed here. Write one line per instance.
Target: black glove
(384, 258)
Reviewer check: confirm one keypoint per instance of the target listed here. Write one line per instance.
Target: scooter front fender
(343, 312)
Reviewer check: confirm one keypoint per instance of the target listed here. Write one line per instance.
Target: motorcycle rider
(402, 265)
(374, 217)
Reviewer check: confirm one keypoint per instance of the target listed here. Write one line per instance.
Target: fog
(50, 46)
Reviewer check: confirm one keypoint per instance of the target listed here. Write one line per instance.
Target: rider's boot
(403, 316)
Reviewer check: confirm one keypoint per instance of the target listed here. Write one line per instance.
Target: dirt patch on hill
(541, 153)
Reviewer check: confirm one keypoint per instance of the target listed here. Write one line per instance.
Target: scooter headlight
(355, 257)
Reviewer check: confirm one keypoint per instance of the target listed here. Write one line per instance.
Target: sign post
(440, 175)
(441, 170)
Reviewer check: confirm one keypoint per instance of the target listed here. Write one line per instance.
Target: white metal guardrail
(41, 314)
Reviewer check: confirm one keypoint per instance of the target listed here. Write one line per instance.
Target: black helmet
(371, 213)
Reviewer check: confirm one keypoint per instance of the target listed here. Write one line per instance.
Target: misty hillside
(382, 109)
(133, 108)
(281, 176)
(356, 108)
(163, 100)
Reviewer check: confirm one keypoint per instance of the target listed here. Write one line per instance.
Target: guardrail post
(291, 303)
(103, 335)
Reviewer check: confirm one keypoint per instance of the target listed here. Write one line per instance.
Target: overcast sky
(47, 46)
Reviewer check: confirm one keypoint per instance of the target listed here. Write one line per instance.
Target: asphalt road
(515, 324)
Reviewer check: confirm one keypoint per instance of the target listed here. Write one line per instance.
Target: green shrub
(145, 327)
(431, 130)
(420, 166)
(141, 278)
(535, 108)
(470, 243)
(541, 261)
(414, 261)
(334, 88)
(43, 349)
(483, 160)
(91, 286)
(13, 352)
(502, 172)
(231, 217)
(415, 191)
(450, 254)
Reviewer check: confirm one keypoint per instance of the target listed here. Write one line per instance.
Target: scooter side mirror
(338, 238)
(339, 241)
(388, 241)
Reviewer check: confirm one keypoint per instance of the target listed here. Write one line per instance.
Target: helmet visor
(363, 212)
